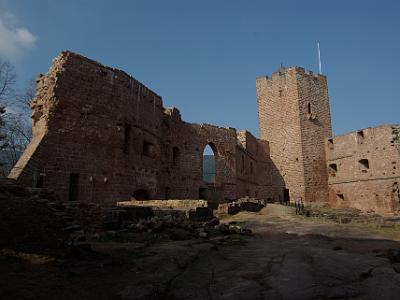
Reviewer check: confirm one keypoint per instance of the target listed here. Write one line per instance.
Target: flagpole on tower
(319, 59)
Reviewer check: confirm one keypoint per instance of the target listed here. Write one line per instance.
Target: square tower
(294, 116)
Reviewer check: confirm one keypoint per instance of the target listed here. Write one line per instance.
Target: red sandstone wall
(278, 118)
(88, 110)
(296, 138)
(353, 185)
(113, 131)
(254, 168)
(184, 178)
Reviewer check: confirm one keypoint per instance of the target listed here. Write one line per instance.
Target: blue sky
(204, 56)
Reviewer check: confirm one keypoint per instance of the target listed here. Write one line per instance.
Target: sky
(203, 57)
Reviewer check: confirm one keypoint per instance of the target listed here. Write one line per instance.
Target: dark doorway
(73, 186)
(141, 195)
(286, 197)
(202, 193)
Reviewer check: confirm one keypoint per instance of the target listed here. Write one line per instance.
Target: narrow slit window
(127, 138)
(175, 156)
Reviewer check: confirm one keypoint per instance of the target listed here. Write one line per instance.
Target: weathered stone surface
(364, 170)
(294, 116)
(100, 136)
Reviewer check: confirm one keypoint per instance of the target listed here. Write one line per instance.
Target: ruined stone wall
(254, 168)
(101, 136)
(364, 169)
(296, 136)
(99, 125)
(184, 172)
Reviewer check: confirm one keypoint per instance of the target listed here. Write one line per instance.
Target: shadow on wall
(279, 190)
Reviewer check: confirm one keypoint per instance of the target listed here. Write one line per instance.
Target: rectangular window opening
(363, 165)
(73, 186)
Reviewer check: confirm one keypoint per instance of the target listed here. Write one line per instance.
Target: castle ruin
(101, 136)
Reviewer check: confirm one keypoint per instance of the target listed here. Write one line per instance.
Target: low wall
(184, 205)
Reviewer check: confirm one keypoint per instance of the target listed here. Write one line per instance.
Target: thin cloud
(14, 39)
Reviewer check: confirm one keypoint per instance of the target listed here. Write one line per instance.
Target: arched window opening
(364, 165)
(141, 194)
(309, 108)
(209, 168)
(175, 156)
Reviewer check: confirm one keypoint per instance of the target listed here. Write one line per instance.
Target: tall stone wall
(183, 173)
(293, 114)
(101, 128)
(364, 169)
(101, 136)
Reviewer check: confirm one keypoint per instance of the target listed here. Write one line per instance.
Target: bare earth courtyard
(288, 257)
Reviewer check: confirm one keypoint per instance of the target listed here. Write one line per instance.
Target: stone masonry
(364, 169)
(294, 116)
(101, 136)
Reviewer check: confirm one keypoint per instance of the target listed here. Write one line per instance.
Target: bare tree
(24, 98)
(15, 127)
(7, 82)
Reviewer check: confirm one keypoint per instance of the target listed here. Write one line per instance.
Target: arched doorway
(209, 163)
(141, 194)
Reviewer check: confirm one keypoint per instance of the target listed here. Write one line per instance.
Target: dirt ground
(288, 257)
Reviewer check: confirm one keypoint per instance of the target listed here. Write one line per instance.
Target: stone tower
(294, 116)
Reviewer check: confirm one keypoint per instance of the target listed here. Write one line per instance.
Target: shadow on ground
(289, 257)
